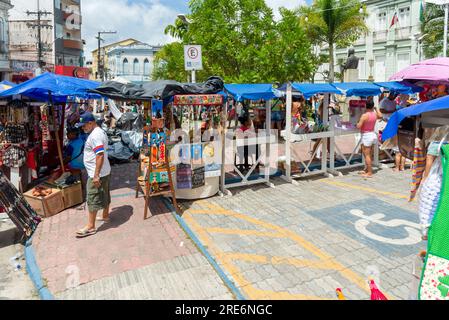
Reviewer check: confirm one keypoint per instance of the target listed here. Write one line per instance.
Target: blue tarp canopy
(310, 89)
(397, 117)
(7, 83)
(359, 89)
(60, 87)
(400, 87)
(251, 91)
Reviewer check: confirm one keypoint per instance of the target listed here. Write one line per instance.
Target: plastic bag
(430, 195)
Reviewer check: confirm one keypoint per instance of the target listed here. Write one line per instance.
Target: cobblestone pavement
(303, 242)
(13, 284)
(128, 258)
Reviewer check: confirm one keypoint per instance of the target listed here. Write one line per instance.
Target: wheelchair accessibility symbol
(412, 229)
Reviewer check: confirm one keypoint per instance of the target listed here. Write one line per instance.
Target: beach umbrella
(436, 69)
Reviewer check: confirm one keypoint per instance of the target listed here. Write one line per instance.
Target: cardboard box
(46, 206)
(72, 195)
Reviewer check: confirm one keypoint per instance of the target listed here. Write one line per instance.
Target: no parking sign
(193, 57)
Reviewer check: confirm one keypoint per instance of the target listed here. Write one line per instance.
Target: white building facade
(5, 68)
(386, 49)
(133, 63)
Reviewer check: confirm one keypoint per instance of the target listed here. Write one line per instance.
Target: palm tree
(334, 22)
(178, 29)
(432, 28)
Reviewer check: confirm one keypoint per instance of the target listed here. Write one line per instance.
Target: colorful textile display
(430, 195)
(435, 277)
(418, 167)
(203, 100)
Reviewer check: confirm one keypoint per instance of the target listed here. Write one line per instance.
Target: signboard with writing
(198, 178)
(199, 100)
(184, 176)
(193, 57)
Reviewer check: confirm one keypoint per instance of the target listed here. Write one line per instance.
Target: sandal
(85, 233)
(366, 176)
(104, 220)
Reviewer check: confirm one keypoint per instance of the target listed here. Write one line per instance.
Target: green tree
(334, 22)
(432, 27)
(167, 63)
(241, 43)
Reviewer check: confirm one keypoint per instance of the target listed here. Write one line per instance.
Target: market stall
(335, 127)
(321, 134)
(199, 152)
(33, 136)
(182, 127)
(241, 144)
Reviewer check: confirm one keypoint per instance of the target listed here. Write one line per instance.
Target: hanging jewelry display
(17, 112)
(36, 119)
(46, 136)
(15, 133)
(14, 157)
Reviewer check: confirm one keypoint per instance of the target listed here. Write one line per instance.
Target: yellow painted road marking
(226, 259)
(245, 232)
(370, 190)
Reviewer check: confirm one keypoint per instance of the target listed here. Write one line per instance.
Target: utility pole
(100, 67)
(39, 13)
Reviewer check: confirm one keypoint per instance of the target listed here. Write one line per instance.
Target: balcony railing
(403, 33)
(380, 35)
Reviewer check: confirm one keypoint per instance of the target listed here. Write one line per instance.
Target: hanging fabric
(418, 167)
(435, 278)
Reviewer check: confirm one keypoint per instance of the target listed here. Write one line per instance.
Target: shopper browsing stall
(388, 106)
(99, 170)
(367, 126)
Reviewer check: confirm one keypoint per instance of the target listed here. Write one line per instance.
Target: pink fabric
(436, 69)
(370, 124)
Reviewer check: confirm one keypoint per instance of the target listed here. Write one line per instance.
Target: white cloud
(144, 21)
(289, 4)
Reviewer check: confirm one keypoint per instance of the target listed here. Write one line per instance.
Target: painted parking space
(228, 260)
(303, 242)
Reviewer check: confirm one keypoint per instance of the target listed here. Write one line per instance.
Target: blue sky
(144, 20)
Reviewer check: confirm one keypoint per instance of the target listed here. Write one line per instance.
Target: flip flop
(366, 176)
(103, 220)
(85, 233)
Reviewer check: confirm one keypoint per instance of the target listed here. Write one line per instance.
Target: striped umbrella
(419, 165)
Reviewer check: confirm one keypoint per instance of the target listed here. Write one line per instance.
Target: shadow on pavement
(118, 216)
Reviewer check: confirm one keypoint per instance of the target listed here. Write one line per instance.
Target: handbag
(435, 277)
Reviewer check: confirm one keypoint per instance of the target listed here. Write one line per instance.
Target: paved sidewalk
(128, 258)
(14, 285)
(303, 242)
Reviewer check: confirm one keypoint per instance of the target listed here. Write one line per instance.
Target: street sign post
(193, 59)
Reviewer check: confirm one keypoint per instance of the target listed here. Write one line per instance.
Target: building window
(67, 35)
(404, 17)
(125, 66)
(136, 68)
(146, 67)
(362, 69)
(403, 61)
(379, 68)
(381, 22)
